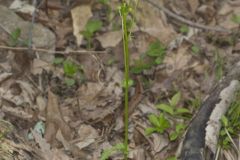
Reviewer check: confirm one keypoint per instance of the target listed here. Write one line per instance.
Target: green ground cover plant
(91, 27)
(14, 39)
(155, 53)
(230, 125)
(162, 122)
(71, 70)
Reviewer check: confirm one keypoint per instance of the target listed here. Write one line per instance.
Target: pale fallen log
(201, 138)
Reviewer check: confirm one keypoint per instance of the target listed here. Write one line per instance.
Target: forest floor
(62, 76)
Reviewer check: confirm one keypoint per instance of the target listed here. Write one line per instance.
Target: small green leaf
(173, 136)
(180, 127)
(224, 121)
(69, 81)
(156, 49)
(119, 147)
(195, 49)
(58, 60)
(16, 34)
(159, 60)
(166, 108)
(140, 65)
(184, 29)
(150, 130)
(163, 123)
(93, 26)
(175, 99)
(182, 111)
(69, 68)
(108, 152)
(87, 34)
(154, 120)
(172, 158)
(236, 18)
(14, 37)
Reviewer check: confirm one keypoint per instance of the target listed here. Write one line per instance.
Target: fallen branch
(50, 51)
(202, 135)
(185, 21)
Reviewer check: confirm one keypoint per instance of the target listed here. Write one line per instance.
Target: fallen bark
(201, 137)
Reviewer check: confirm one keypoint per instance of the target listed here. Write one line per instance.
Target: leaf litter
(84, 119)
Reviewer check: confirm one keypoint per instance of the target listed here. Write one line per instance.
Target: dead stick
(50, 51)
(185, 21)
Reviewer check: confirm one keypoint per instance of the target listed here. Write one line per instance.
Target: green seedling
(70, 70)
(230, 125)
(184, 29)
(15, 40)
(195, 49)
(159, 123)
(179, 129)
(91, 27)
(171, 108)
(141, 65)
(162, 122)
(156, 50)
(155, 55)
(195, 103)
(108, 152)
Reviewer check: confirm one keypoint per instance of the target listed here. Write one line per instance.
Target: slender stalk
(124, 14)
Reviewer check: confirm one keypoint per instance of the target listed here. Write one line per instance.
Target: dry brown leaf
(193, 5)
(80, 16)
(38, 65)
(55, 120)
(97, 100)
(87, 136)
(137, 154)
(228, 12)
(179, 60)
(110, 39)
(46, 151)
(152, 21)
(62, 30)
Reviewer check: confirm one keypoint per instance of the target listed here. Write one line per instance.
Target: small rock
(42, 37)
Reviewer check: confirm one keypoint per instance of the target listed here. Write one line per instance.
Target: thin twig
(50, 51)
(185, 21)
(31, 26)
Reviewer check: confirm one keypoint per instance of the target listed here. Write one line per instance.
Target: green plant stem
(126, 76)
